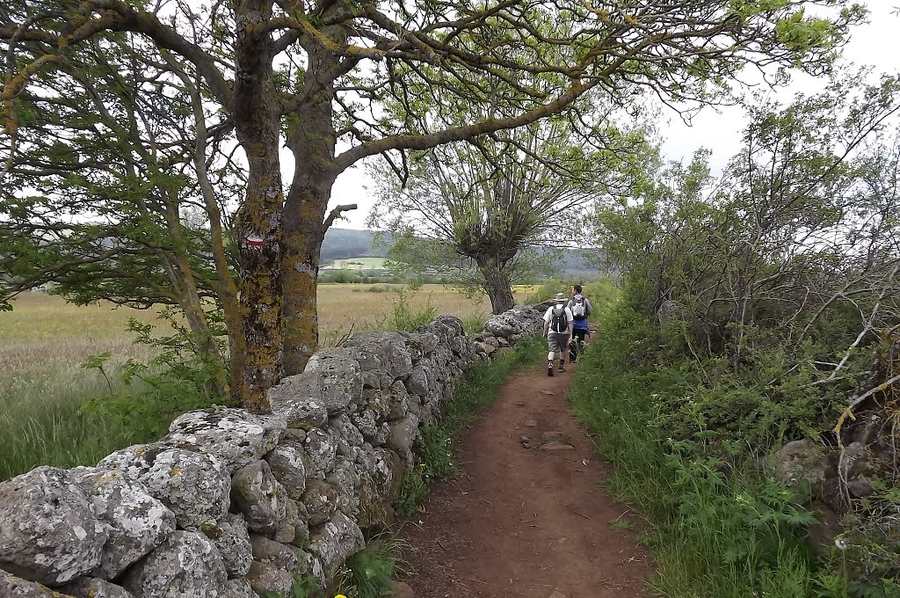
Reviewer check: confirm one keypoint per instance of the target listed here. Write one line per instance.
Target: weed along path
(526, 515)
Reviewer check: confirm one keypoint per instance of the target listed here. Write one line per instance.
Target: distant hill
(343, 244)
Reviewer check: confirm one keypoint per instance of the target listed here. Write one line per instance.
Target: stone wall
(231, 504)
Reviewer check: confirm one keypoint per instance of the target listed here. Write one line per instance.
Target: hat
(560, 297)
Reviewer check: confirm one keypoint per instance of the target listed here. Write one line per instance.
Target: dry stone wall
(231, 504)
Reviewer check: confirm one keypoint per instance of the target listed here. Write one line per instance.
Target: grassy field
(44, 389)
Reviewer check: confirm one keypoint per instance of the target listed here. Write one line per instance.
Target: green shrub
(720, 527)
(370, 572)
(405, 317)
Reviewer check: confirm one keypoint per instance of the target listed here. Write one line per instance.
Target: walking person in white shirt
(558, 330)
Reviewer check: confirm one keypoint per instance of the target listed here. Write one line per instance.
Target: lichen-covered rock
(285, 530)
(235, 436)
(417, 381)
(365, 423)
(347, 434)
(320, 452)
(286, 463)
(301, 525)
(194, 486)
(136, 522)
(802, 464)
(403, 434)
(331, 379)
(295, 399)
(338, 376)
(15, 587)
(232, 540)
(48, 530)
(335, 541)
(320, 500)
(345, 479)
(421, 344)
(186, 564)
(382, 434)
(93, 587)
(239, 588)
(382, 351)
(257, 494)
(274, 566)
(378, 402)
(398, 401)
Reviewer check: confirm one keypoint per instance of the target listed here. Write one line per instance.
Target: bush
(689, 441)
(370, 572)
(405, 317)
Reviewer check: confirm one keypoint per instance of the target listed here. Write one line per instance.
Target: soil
(527, 515)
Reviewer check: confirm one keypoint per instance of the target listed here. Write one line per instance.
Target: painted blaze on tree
(337, 81)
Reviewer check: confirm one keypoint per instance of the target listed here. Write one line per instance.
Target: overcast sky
(875, 44)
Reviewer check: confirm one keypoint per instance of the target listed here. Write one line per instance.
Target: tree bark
(256, 113)
(312, 140)
(496, 284)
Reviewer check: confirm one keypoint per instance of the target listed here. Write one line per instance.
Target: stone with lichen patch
(186, 564)
(257, 494)
(194, 486)
(136, 522)
(94, 587)
(234, 436)
(232, 540)
(48, 530)
(15, 587)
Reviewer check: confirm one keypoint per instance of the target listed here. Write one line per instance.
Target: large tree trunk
(312, 140)
(256, 114)
(496, 285)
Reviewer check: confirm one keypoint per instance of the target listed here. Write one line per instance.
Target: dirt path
(525, 522)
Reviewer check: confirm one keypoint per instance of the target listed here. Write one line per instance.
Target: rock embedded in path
(48, 530)
(556, 446)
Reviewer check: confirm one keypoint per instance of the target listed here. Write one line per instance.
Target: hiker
(557, 329)
(581, 308)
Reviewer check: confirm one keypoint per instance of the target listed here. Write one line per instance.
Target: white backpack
(579, 308)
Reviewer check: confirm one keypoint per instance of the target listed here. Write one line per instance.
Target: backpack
(558, 322)
(579, 308)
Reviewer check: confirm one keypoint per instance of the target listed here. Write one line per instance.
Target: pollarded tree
(489, 202)
(340, 80)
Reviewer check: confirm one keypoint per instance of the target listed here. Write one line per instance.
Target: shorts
(558, 342)
(579, 333)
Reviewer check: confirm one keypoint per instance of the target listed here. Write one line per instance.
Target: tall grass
(53, 411)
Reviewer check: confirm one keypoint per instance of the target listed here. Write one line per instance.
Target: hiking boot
(550, 369)
(562, 369)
